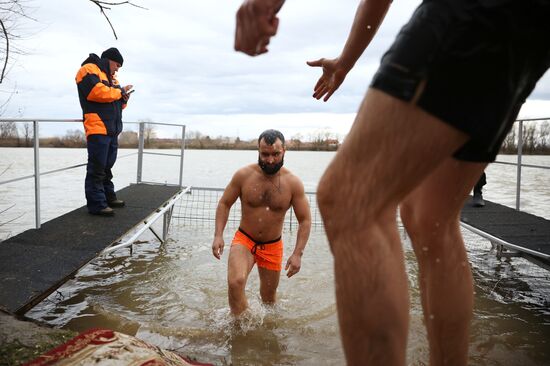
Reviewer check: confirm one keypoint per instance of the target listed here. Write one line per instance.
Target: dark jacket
(100, 97)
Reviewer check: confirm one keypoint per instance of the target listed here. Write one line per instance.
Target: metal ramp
(514, 233)
(36, 262)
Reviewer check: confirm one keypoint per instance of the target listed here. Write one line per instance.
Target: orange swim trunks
(268, 255)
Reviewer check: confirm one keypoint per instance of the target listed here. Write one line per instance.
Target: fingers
(292, 271)
(329, 94)
(256, 24)
(321, 91)
(316, 63)
(217, 251)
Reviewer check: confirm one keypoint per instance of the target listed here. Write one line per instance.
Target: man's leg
(391, 148)
(111, 159)
(478, 195)
(98, 148)
(240, 264)
(269, 281)
(431, 215)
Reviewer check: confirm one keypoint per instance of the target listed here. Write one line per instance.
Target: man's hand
(256, 24)
(293, 265)
(125, 95)
(333, 76)
(217, 246)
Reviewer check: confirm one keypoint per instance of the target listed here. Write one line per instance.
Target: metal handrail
(36, 147)
(55, 171)
(519, 163)
(149, 222)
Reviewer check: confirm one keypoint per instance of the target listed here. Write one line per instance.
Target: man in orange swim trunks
(267, 190)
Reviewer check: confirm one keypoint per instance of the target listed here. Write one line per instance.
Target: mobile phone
(130, 91)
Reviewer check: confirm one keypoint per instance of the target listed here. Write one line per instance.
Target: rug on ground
(107, 347)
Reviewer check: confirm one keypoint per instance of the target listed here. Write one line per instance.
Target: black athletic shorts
(470, 63)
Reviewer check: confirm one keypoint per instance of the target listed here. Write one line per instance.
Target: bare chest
(274, 194)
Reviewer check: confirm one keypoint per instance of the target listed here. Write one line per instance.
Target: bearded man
(266, 190)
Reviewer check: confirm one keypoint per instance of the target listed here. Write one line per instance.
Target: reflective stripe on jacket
(100, 97)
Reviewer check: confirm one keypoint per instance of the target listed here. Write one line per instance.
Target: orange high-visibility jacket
(100, 97)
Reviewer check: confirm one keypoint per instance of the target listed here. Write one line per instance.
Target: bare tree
(8, 130)
(27, 132)
(74, 138)
(509, 144)
(11, 11)
(149, 134)
(529, 137)
(128, 138)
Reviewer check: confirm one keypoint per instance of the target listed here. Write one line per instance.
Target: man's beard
(270, 169)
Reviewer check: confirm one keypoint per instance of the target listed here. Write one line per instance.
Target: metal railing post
(36, 175)
(140, 151)
(182, 153)
(518, 174)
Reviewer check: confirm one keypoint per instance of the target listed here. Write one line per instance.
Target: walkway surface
(36, 262)
(527, 232)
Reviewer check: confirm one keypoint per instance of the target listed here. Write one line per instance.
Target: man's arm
(301, 210)
(369, 16)
(256, 24)
(90, 85)
(230, 195)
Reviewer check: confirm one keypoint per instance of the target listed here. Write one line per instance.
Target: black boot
(107, 211)
(478, 201)
(116, 203)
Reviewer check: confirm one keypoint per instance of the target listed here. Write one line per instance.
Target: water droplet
(432, 317)
(267, 208)
(369, 27)
(437, 260)
(437, 224)
(425, 249)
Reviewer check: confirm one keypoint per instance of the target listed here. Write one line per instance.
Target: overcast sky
(179, 56)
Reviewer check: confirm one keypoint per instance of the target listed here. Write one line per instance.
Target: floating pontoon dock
(514, 233)
(36, 262)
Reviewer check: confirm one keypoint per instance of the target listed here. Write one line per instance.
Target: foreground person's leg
(431, 215)
(391, 148)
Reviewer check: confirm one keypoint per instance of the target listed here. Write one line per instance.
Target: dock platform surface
(36, 262)
(528, 233)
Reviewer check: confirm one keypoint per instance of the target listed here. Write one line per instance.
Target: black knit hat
(113, 54)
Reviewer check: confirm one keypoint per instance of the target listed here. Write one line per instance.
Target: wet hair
(270, 136)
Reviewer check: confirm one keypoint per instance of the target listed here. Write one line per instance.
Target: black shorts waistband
(259, 242)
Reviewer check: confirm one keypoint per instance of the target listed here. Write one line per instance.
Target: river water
(175, 295)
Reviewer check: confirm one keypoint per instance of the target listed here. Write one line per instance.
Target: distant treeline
(536, 140)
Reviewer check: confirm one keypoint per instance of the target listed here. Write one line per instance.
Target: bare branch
(106, 5)
(7, 51)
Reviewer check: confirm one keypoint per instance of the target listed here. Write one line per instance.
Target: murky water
(174, 295)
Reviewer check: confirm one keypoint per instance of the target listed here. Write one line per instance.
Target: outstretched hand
(333, 76)
(256, 24)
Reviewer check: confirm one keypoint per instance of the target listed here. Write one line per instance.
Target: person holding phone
(102, 100)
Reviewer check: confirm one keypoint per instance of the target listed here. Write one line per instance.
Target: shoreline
(24, 340)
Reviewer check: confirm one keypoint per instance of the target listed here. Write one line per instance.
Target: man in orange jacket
(102, 100)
